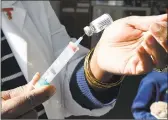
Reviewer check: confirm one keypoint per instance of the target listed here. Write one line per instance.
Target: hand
(127, 45)
(20, 102)
(159, 110)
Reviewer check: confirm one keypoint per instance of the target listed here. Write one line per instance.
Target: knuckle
(22, 88)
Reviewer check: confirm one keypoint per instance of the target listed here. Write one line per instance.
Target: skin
(159, 109)
(124, 48)
(20, 102)
(127, 45)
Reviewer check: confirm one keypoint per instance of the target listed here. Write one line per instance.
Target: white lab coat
(36, 38)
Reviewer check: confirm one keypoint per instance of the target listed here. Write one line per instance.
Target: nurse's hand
(20, 102)
(127, 45)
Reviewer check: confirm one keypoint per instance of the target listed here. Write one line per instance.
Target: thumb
(19, 105)
(20, 90)
(143, 22)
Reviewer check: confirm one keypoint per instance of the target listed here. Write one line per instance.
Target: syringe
(95, 26)
(59, 63)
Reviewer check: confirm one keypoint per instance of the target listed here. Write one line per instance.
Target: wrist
(98, 72)
(94, 67)
(98, 77)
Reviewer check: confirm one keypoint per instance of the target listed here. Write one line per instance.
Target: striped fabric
(11, 74)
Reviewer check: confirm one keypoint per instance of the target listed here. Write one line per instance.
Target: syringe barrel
(58, 64)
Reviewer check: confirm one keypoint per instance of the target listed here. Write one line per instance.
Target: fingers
(13, 92)
(154, 49)
(35, 78)
(135, 34)
(31, 84)
(30, 115)
(145, 61)
(149, 48)
(143, 22)
(20, 90)
(21, 104)
(159, 32)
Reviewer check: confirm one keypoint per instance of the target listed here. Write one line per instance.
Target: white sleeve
(60, 39)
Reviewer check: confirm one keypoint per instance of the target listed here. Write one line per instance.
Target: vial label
(101, 23)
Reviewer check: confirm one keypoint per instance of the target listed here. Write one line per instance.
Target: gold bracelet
(90, 77)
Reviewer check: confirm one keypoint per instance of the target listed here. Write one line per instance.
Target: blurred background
(76, 14)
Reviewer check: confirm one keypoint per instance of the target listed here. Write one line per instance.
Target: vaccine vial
(98, 24)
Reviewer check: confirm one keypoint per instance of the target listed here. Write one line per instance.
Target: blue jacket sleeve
(144, 98)
(84, 95)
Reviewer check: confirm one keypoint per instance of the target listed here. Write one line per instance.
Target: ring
(153, 59)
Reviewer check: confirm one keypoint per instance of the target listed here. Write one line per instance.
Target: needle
(79, 40)
(83, 35)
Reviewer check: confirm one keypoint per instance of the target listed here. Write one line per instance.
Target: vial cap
(88, 31)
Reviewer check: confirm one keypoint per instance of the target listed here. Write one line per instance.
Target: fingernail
(37, 74)
(156, 27)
